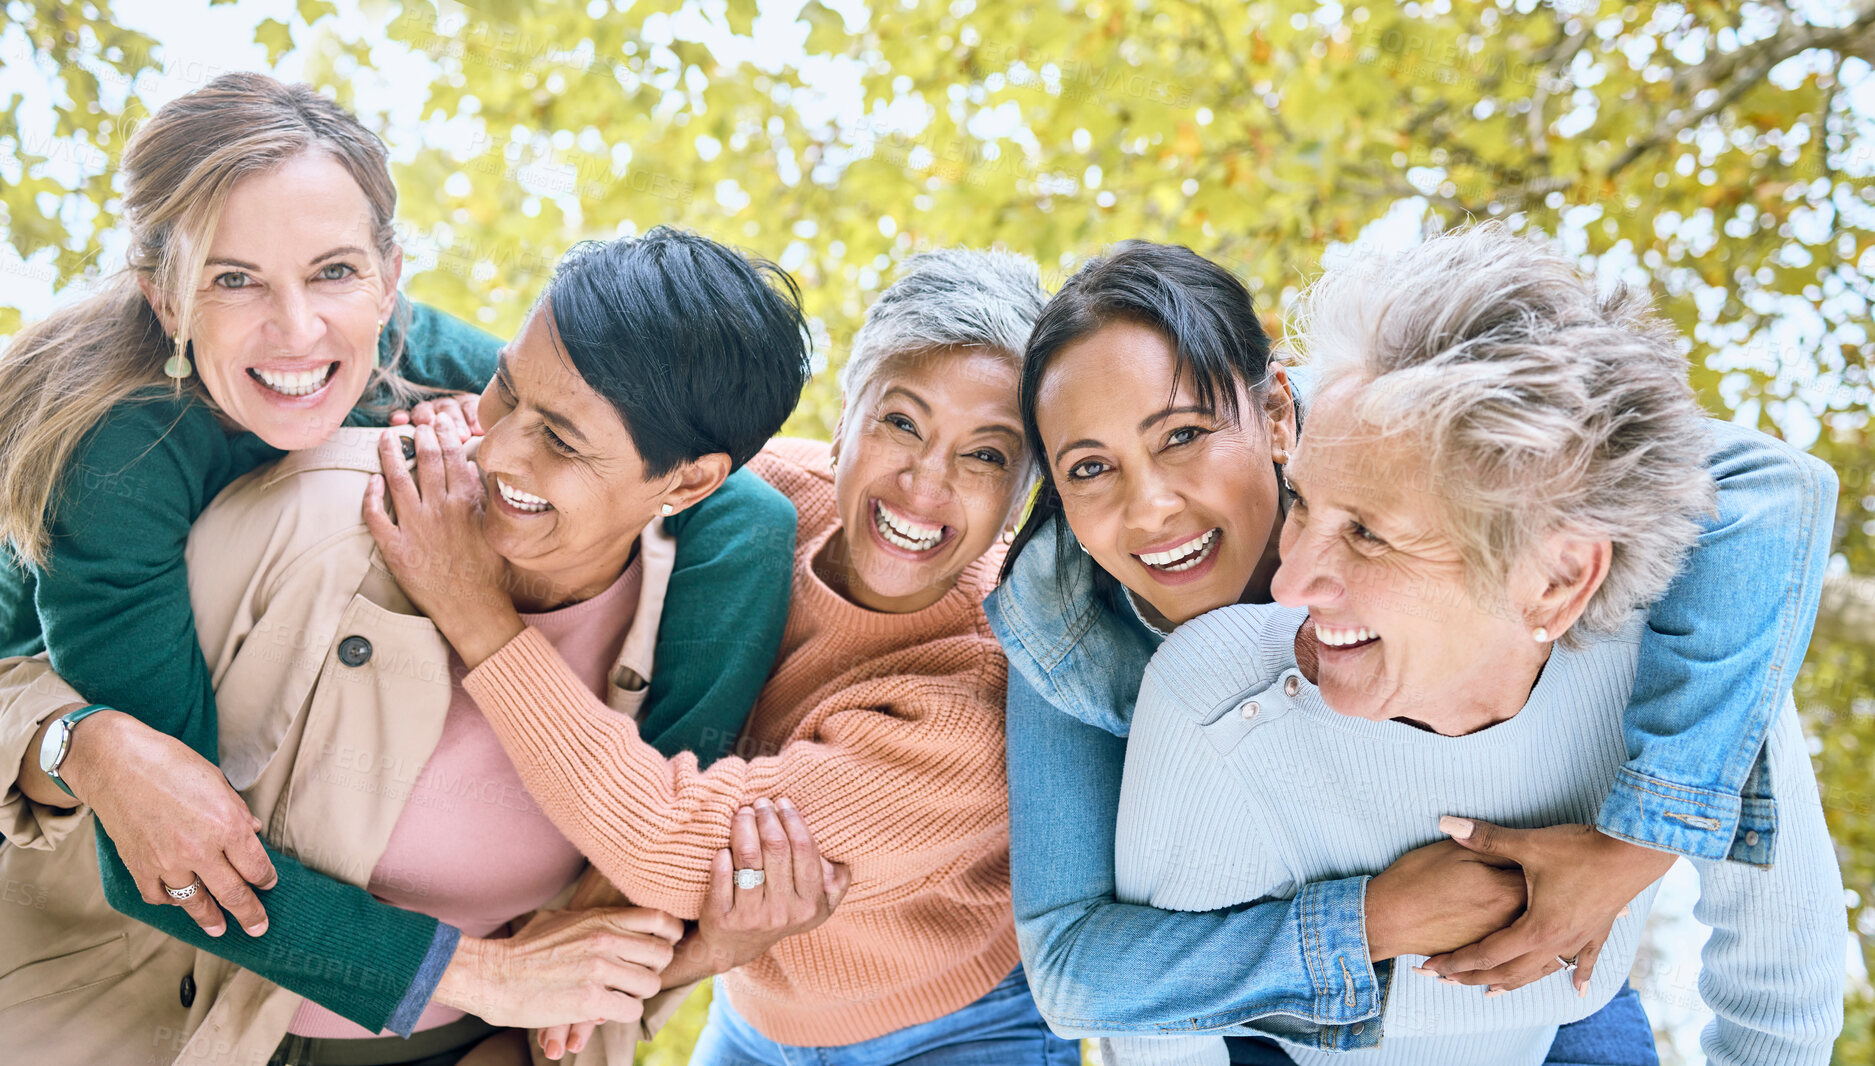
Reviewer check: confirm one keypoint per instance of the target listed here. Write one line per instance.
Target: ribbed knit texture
(885, 730)
(1221, 806)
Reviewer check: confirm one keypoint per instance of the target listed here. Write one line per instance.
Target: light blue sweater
(1241, 784)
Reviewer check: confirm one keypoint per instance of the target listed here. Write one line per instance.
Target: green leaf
(276, 37)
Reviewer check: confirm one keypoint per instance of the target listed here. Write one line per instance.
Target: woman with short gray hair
(1501, 468)
(881, 721)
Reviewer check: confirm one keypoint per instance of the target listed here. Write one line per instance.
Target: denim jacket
(1719, 653)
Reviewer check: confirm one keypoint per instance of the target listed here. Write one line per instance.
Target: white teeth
(1183, 557)
(907, 533)
(1338, 638)
(297, 383)
(521, 501)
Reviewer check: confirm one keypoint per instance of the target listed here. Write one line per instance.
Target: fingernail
(216, 930)
(1456, 828)
(1495, 992)
(1426, 970)
(763, 804)
(257, 929)
(785, 803)
(750, 811)
(1582, 991)
(1448, 980)
(1623, 913)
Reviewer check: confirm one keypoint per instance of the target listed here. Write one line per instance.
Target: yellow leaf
(275, 37)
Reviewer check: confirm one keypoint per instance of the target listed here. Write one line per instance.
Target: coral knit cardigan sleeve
(892, 719)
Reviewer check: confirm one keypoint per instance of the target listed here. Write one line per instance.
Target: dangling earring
(1540, 634)
(178, 365)
(667, 510)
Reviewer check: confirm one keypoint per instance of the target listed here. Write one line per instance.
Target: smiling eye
(989, 455)
(1365, 535)
(1183, 435)
(900, 422)
(233, 279)
(556, 442)
(335, 272)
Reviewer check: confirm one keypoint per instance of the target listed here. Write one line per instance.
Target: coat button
(1248, 709)
(187, 992)
(1292, 685)
(354, 651)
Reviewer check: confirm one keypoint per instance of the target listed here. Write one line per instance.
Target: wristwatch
(58, 743)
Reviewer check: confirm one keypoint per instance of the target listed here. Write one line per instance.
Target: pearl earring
(667, 510)
(178, 366)
(1540, 634)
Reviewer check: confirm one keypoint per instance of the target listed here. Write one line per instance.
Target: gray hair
(949, 298)
(1546, 406)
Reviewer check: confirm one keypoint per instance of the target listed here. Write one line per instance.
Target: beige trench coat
(281, 571)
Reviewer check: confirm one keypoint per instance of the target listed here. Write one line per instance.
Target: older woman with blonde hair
(258, 312)
(881, 721)
(1501, 469)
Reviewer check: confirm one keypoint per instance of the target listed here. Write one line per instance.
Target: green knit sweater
(112, 606)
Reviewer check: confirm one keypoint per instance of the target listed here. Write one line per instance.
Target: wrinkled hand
(434, 545)
(174, 819)
(799, 891)
(462, 408)
(563, 966)
(1439, 897)
(1579, 881)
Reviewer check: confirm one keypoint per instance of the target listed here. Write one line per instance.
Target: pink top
(471, 847)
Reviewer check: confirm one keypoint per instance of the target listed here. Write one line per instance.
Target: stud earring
(1540, 634)
(667, 510)
(178, 366)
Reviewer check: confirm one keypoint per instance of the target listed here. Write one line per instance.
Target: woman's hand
(1440, 897)
(563, 966)
(799, 891)
(1578, 880)
(174, 818)
(461, 407)
(434, 545)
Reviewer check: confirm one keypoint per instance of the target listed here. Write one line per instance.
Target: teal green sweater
(112, 607)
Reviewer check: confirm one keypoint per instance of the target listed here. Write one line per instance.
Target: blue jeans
(1617, 1035)
(1001, 1029)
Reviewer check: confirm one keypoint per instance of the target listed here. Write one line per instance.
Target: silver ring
(750, 877)
(180, 894)
(1567, 964)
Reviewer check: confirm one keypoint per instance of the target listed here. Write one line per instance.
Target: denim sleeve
(1719, 653)
(1100, 967)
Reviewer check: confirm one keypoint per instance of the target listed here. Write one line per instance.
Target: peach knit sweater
(885, 730)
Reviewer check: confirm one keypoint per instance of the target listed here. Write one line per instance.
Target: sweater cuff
(403, 1020)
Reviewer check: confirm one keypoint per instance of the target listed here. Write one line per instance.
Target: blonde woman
(240, 330)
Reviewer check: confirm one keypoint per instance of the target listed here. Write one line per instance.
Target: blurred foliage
(1709, 150)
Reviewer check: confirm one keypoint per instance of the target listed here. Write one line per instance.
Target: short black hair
(701, 348)
(1201, 309)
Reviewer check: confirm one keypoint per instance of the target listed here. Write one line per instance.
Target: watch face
(52, 748)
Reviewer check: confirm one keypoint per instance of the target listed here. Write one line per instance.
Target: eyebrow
(560, 422)
(1145, 424)
(909, 395)
(346, 249)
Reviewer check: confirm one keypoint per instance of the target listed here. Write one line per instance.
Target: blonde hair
(60, 377)
(1543, 404)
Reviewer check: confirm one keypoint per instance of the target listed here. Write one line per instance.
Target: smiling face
(566, 489)
(930, 465)
(1176, 502)
(289, 302)
(1400, 633)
